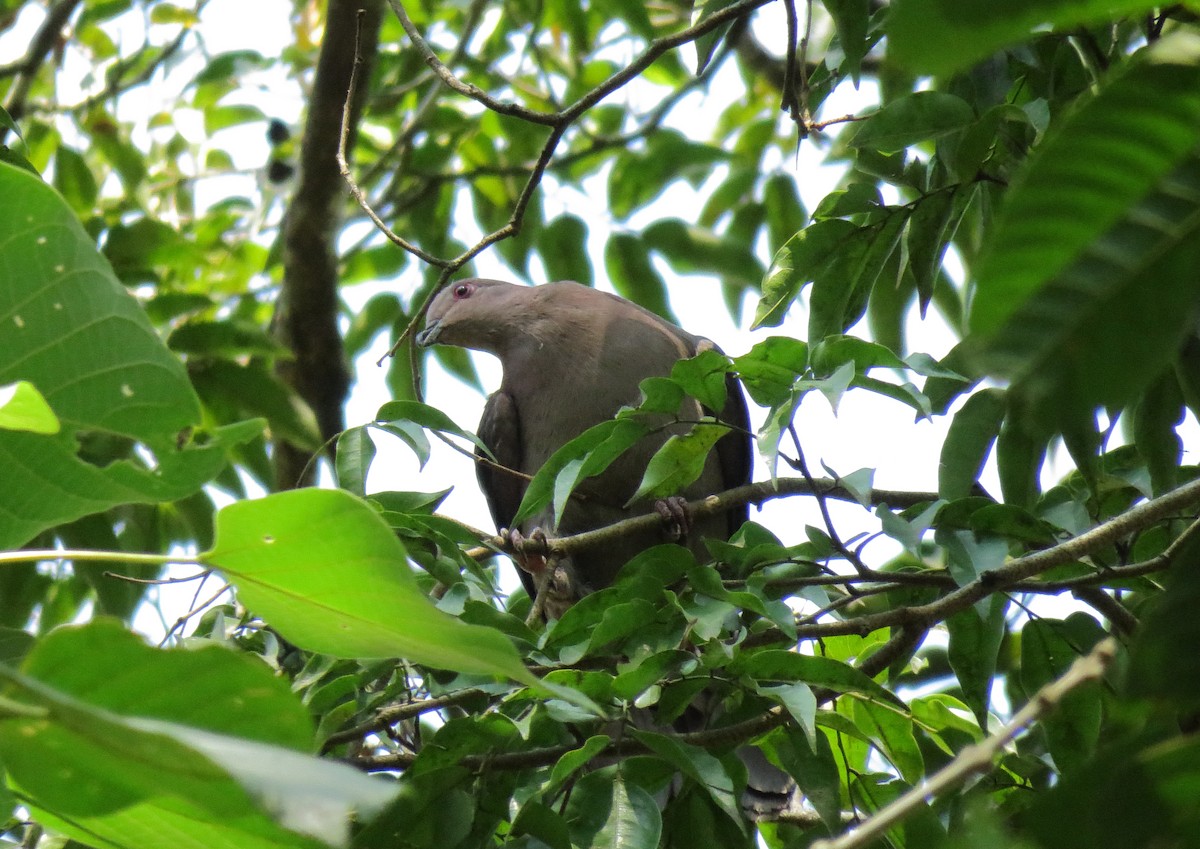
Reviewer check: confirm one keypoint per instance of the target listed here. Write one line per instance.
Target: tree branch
(306, 314)
(44, 41)
(558, 122)
(978, 758)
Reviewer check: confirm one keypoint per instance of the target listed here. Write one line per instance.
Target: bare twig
(196, 608)
(978, 758)
(558, 122)
(44, 41)
(397, 713)
(348, 175)
(840, 547)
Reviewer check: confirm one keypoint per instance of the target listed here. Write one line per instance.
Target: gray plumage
(572, 356)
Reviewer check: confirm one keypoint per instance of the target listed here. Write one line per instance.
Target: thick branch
(306, 317)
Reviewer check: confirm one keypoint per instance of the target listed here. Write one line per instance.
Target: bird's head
(474, 313)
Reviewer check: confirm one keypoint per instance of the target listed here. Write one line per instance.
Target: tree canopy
(1005, 663)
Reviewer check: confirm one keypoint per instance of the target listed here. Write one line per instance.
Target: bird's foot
(529, 552)
(676, 518)
(554, 589)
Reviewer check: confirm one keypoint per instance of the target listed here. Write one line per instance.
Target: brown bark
(307, 313)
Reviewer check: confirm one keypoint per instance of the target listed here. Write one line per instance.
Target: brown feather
(572, 356)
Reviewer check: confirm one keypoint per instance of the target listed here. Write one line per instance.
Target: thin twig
(197, 607)
(393, 714)
(978, 758)
(348, 176)
(840, 547)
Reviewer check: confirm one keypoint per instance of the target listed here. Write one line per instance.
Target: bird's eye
(461, 291)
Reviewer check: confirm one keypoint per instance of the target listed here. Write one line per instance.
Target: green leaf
(970, 437)
(607, 811)
(1087, 288)
(690, 250)
(892, 731)
(627, 260)
(427, 417)
(22, 407)
(816, 772)
(785, 210)
(704, 378)
(842, 286)
(1048, 648)
(74, 180)
(575, 759)
(412, 435)
(1159, 412)
(223, 117)
(799, 261)
(1019, 462)
(587, 454)
(707, 44)
(326, 570)
(698, 765)
(111, 668)
(974, 646)
(223, 339)
(925, 240)
(851, 18)
(770, 369)
(252, 388)
(102, 772)
(679, 462)
(911, 119)
(1157, 668)
(355, 451)
(543, 823)
(59, 298)
(814, 670)
(799, 701)
(562, 245)
(939, 36)
(1088, 174)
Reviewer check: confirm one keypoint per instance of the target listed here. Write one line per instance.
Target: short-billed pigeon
(572, 356)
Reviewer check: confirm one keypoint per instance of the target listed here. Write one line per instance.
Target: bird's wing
(735, 449)
(500, 431)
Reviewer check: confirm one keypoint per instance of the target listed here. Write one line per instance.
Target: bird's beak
(429, 335)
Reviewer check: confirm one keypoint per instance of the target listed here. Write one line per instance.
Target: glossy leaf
(911, 119)
(288, 556)
(59, 288)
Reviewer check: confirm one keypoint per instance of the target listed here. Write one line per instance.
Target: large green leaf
(1088, 176)
(1089, 284)
(325, 570)
(939, 36)
(71, 330)
(112, 776)
(108, 666)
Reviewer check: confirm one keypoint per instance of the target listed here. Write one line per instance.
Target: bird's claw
(677, 519)
(529, 552)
